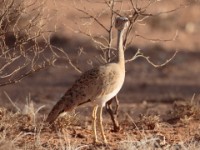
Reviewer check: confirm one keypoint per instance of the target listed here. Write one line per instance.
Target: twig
(159, 40)
(93, 17)
(18, 79)
(6, 94)
(140, 54)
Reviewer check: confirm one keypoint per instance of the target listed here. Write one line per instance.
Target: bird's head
(121, 23)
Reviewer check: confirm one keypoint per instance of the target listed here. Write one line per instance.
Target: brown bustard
(96, 86)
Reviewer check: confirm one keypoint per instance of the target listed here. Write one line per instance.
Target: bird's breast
(103, 98)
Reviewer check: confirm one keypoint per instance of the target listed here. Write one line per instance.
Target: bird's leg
(101, 125)
(94, 117)
(117, 105)
(113, 113)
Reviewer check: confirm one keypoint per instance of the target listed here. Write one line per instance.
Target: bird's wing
(94, 83)
(89, 86)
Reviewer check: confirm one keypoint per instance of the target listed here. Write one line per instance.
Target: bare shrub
(148, 122)
(21, 27)
(186, 110)
(24, 43)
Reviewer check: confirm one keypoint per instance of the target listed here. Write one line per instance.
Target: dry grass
(187, 110)
(25, 129)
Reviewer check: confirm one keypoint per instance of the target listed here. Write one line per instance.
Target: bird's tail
(64, 104)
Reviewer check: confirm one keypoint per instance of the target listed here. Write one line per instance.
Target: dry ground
(143, 126)
(156, 105)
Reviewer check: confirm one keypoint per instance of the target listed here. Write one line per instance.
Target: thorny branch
(33, 70)
(110, 35)
(159, 40)
(136, 14)
(93, 17)
(140, 54)
(24, 48)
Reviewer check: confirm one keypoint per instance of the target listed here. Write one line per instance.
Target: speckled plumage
(90, 87)
(97, 85)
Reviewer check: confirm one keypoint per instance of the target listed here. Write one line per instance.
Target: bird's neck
(120, 49)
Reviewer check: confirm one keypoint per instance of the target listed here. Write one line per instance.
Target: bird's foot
(98, 143)
(105, 141)
(116, 129)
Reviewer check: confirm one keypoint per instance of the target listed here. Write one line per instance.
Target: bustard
(97, 85)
